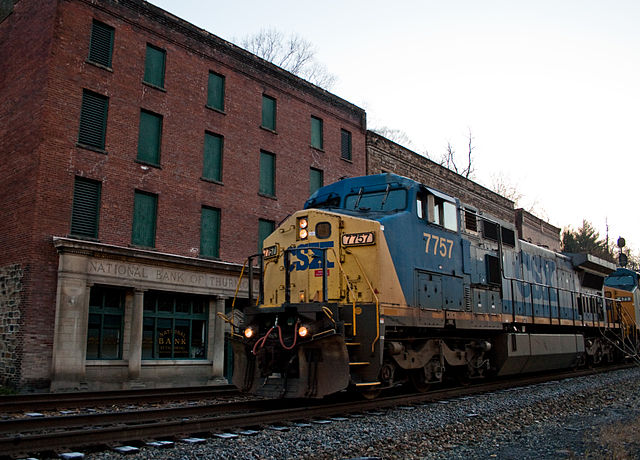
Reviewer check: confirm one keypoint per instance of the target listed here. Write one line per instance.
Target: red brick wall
(47, 48)
(179, 187)
(26, 37)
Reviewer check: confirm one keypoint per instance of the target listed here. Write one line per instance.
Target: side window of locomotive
(420, 207)
(442, 212)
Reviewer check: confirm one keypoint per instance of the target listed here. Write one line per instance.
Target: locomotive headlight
(249, 332)
(303, 224)
(303, 331)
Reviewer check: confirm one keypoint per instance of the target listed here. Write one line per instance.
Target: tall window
(174, 326)
(215, 91)
(267, 174)
(106, 313)
(149, 137)
(265, 228)
(93, 119)
(154, 64)
(210, 232)
(145, 209)
(268, 112)
(316, 133)
(212, 168)
(316, 179)
(101, 44)
(85, 213)
(345, 144)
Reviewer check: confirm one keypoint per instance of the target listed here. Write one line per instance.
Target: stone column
(70, 336)
(135, 343)
(215, 349)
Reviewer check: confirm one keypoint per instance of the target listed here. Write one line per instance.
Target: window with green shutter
(316, 179)
(85, 213)
(316, 133)
(268, 113)
(210, 232)
(154, 66)
(215, 91)
(93, 119)
(212, 168)
(267, 174)
(101, 44)
(265, 228)
(145, 208)
(345, 144)
(149, 137)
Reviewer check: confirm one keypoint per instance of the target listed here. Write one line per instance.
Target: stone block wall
(11, 289)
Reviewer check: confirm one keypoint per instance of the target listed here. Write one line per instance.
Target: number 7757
(441, 246)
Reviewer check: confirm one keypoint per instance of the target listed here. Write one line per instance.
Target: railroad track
(55, 434)
(52, 401)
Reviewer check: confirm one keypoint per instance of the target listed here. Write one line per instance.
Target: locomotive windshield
(389, 200)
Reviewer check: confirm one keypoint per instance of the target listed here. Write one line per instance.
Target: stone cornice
(66, 245)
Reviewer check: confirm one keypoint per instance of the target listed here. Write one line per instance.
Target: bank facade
(143, 160)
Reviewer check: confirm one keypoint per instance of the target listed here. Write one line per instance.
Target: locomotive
(381, 280)
(622, 293)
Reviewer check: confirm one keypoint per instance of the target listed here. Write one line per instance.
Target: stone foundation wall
(10, 299)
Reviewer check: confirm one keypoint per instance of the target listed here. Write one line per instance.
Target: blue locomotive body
(410, 284)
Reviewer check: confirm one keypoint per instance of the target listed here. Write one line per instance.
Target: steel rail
(20, 443)
(48, 401)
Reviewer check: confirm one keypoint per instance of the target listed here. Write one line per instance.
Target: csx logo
(310, 256)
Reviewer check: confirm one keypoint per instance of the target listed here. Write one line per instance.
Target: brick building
(142, 160)
(384, 155)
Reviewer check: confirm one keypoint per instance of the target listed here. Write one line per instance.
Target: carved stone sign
(165, 276)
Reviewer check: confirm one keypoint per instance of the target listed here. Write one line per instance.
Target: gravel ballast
(588, 417)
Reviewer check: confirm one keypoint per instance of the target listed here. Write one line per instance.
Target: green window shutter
(144, 219)
(210, 232)
(316, 133)
(265, 228)
(268, 113)
(267, 174)
(345, 144)
(212, 157)
(154, 66)
(101, 45)
(316, 180)
(149, 137)
(93, 119)
(215, 91)
(85, 213)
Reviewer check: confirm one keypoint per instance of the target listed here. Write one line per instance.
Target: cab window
(437, 211)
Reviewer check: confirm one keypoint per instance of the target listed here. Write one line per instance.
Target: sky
(548, 89)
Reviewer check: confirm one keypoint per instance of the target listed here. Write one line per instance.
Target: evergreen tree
(585, 240)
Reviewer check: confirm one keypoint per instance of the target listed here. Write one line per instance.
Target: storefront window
(175, 326)
(106, 312)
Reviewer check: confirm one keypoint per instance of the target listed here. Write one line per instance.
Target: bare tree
(504, 187)
(396, 135)
(292, 53)
(448, 159)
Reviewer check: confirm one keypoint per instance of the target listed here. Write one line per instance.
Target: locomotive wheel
(418, 381)
(461, 374)
(371, 394)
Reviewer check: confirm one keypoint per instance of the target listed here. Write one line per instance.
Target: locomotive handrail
(287, 273)
(353, 295)
(374, 295)
(574, 294)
